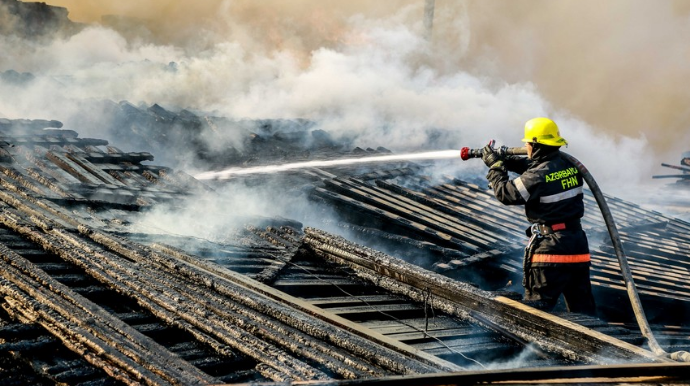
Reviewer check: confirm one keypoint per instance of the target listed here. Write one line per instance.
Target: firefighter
(557, 258)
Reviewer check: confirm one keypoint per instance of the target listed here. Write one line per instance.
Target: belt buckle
(536, 230)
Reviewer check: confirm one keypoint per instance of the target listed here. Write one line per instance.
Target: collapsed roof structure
(87, 298)
(416, 281)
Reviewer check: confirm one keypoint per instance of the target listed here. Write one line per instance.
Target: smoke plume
(611, 74)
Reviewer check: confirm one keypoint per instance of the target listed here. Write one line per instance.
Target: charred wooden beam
(219, 329)
(413, 246)
(47, 141)
(49, 182)
(548, 331)
(50, 170)
(115, 158)
(290, 244)
(352, 343)
(282, 307)
(73, 168)
(440, 238)
(77, 321)
(164, 302)
(479, 204)
(93, 169)
(27, 182)
(390, 174)
(17, 196)
(36, 344)
(414, 211)
(17, 126)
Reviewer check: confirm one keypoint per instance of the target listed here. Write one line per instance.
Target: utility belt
(543, 229)
(538, 231)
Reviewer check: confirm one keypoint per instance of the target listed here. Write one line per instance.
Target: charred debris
(421, 290)
(682, 175)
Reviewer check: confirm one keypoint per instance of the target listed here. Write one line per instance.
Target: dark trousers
(544, 286)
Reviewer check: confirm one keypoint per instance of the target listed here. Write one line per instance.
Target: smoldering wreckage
(87, 299)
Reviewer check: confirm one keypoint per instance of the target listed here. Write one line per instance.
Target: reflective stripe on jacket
(551, 189)
(543, 258)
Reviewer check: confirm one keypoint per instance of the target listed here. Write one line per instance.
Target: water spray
(266, 169)
(681, 356)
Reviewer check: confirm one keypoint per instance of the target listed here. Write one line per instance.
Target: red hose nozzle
(465, 153)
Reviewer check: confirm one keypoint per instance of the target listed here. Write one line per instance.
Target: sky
(612, 74)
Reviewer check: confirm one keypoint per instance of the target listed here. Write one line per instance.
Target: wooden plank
(463, 214)
(421, 324)
(461, 300)
(28, 182)
(650, 252)
(123, 178)
(293, 283)
(658, 240)
(642, 289)
(115, 158)
(484, 204)
(439, 237)
(73, 168)
(95, 170)
(60, 176)
(642, 281)
(370, 299)
(140, 181)
(223, 274)
(438, 216)
(660, 271)
(421, 218)
(452, 333)
(383, 309)
(462, 344)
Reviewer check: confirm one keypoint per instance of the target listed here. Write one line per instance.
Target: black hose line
(620, 254)
(681, 356)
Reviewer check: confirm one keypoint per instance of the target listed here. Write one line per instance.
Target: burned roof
(421, 291)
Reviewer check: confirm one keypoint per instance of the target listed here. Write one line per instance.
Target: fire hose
(682, 356)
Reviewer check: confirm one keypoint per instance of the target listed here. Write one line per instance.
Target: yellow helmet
(544, 131)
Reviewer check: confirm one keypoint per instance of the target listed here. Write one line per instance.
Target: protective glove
(491, 158)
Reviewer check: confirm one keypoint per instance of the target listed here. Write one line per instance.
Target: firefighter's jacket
(551, 188)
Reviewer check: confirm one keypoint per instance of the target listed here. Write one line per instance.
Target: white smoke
(220, 216)
(372, 79)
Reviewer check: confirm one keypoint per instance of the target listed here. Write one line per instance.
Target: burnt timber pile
(684, 166)
(86, 300)
(201, 137)
(34, 19)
